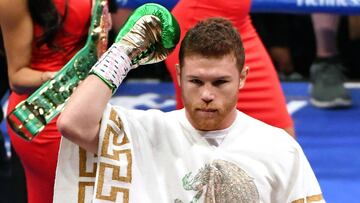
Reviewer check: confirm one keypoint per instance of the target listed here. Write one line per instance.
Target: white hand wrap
(112, 67)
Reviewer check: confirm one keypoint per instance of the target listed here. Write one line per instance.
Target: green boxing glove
(148, 36)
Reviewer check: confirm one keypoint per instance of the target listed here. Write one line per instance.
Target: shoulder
(147, 117)
(12, 10)
(266, 135)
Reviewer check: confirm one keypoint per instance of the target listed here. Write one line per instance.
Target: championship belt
(148, 36)
(31, 115)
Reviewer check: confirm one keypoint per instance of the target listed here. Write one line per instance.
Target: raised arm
(80, 120)
(148, 36)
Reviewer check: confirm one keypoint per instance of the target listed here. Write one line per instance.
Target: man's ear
(178, 73)
(243, 75)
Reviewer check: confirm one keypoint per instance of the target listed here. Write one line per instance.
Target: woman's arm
(17, 29)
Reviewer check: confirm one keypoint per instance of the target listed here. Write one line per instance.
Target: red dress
(262, 96)
(39, 157)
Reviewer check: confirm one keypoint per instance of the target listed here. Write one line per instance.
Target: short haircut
(213, 38)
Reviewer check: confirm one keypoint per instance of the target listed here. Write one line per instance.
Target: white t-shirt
(152, 156)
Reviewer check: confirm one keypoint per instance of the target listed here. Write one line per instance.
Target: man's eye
(219, 82)
(196, 81)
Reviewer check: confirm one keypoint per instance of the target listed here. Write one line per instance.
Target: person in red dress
(40, 37)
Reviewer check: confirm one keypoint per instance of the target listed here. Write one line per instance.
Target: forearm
(17, 31)
(139, 42)
(27, 80)
(80, 120)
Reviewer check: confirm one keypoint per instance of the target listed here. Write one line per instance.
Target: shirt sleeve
(303, 185)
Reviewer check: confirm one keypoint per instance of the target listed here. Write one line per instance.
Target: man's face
(210, 89)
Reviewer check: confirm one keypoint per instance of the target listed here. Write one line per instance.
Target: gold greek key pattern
(115, 168)
(299, 201)
(310, 199)
(116, 119)
(110, 132)
(82, 165)
(115, 176)
(81, 193)
(314, 198)
(83, 172)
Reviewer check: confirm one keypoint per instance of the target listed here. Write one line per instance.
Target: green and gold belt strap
(31, 115)
(148, 36)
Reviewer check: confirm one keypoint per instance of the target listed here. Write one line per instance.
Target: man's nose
(207, 94)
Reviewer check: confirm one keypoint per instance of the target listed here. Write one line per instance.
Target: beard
(206, 124)
(208, 117)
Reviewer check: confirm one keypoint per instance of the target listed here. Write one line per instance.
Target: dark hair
(45, 14)
(213, 37)
(2, 49)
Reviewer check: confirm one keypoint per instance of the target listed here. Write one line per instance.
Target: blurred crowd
(290, 41)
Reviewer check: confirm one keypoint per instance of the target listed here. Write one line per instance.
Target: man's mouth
(207, 110)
